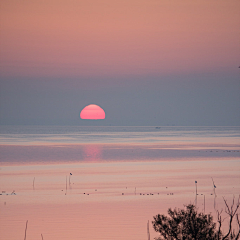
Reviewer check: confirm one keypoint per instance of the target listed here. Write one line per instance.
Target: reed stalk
(26, 230)
(33, 183)
(148, 233)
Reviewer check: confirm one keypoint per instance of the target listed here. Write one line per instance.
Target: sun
(93, 112)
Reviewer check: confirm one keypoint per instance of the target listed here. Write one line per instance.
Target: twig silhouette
(148, 233)
(26, 230)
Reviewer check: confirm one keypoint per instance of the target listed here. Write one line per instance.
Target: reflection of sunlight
(92, 152)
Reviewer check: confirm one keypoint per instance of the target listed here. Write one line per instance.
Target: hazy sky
(145, 62)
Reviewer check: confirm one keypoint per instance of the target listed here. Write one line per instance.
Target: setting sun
(93, 112)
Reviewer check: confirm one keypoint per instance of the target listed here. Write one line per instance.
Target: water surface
(120, 178)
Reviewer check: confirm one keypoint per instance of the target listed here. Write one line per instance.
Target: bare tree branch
(220, 224)
(238, 235)
(231, 213)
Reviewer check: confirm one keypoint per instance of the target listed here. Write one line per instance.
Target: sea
(107, 182)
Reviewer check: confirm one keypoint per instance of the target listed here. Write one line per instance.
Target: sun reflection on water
(92, 152)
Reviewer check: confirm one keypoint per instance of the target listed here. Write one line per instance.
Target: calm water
(146, 135)
(23, 144)
(120, 178)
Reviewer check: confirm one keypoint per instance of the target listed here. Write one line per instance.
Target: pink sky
(92, 38)
(143, 61)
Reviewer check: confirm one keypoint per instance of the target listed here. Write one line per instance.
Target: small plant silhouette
(188, 224)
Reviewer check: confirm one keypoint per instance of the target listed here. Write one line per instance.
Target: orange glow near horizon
(93, 112)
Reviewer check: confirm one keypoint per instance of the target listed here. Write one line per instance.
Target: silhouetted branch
(238, 235)
(219, 232)
(148, 233)
(26, 230)
(231, 211)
